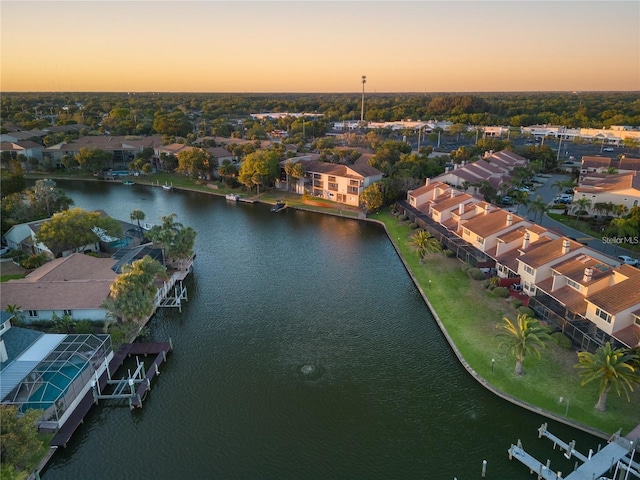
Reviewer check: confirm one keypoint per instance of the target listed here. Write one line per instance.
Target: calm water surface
(304, 352)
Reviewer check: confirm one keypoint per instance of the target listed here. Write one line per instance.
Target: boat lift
(120, 390)
(618, 453)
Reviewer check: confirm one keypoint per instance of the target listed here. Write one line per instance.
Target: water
(304, 352)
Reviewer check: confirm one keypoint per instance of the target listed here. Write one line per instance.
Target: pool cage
(62, 377)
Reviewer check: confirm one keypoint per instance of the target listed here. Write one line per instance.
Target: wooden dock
(160, 349)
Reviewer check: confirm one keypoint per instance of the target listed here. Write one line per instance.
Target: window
(33, 313)
(573, 284)
(528, 269)
(479, 239)
(67, 312)
(354, 183)
(603, 315)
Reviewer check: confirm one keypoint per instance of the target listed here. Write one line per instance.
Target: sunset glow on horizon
(322, 46)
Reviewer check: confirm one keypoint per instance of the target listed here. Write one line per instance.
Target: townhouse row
(586, 293)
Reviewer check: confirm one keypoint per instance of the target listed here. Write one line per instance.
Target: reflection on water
(304, 351)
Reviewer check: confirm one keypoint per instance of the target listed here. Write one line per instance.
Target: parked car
(628, 260)
(4, 251)
(608, 149)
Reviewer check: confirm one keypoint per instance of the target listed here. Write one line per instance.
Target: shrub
(403, 218)
(84, 326)
(485, 284)
(475, 273)
(562, 340)
(449, 253)
(465, 267)
(502, 292)
(494, 281)
(526, 311)
(413, 225)
(515, 303)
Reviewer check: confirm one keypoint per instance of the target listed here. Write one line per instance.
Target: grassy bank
(470, 314)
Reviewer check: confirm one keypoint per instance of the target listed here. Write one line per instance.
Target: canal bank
(479, 370)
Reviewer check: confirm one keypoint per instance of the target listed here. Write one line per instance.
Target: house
(618, 189)
(482, 230)
(219, 155)
(331, 181)
(494, 168)
(616, 309)
(75, 285)
(123, 148)
(26, 147)
(50, 372)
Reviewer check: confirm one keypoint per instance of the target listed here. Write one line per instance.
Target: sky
(319, 46)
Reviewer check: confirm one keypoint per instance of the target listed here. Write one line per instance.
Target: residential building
(27, 148)
(331, 181)
(49, 372)
(75, 285)
(618, 189)
(123, 148)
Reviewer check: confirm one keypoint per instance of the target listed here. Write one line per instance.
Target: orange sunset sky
(319, 46)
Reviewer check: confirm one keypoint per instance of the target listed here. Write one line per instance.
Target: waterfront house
(75, 285)
(49, 372)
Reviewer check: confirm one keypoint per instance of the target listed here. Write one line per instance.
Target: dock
(618, 454)
(160, 349)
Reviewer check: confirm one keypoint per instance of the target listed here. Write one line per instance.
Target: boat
(279, 205)
(128, 182)
(233, 197)
(167, 187)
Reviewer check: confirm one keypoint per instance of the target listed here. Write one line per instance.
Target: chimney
(525, 241)
(487, 207)
(509, 220)
(428, 181)
(453, 193)
(460, 208)
(566, 246)
(3, 351)
(588, 275)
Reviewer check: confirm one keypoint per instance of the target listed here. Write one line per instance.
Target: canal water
(304, 352)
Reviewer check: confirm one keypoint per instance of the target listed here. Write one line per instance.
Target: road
(547, 193)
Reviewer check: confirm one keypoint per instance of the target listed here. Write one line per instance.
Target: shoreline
(329, 210)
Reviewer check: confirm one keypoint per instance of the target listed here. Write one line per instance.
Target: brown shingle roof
(574, 267)
(490, 223)
(75, 282)
(548, 252)
(620, 296)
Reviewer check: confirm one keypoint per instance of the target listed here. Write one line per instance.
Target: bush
(449, 253)
(475, 273)
(526, 311)
(403, 218)
(515, 303)
(562, 340)
(413, 225)
(465, 267)
(485, 284)
(502, 292)
(85, 326)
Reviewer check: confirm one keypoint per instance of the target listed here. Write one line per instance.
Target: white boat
(233, 197)
(167, 187)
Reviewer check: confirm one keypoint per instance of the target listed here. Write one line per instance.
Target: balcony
(333, 187)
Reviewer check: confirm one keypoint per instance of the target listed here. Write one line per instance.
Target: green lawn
(470, 314)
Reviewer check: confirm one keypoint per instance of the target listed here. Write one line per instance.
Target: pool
(52, 384)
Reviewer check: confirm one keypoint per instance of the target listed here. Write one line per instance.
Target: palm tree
(581, 205)
(619, 210)
(18, 314)
(425, 243)
(537, 206)
(138, 215)
(612, 367)
(521, 198)
(524, 336)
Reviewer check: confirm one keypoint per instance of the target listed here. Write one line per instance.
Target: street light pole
(364, 80)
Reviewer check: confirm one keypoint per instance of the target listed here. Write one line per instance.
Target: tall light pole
(364, 80)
